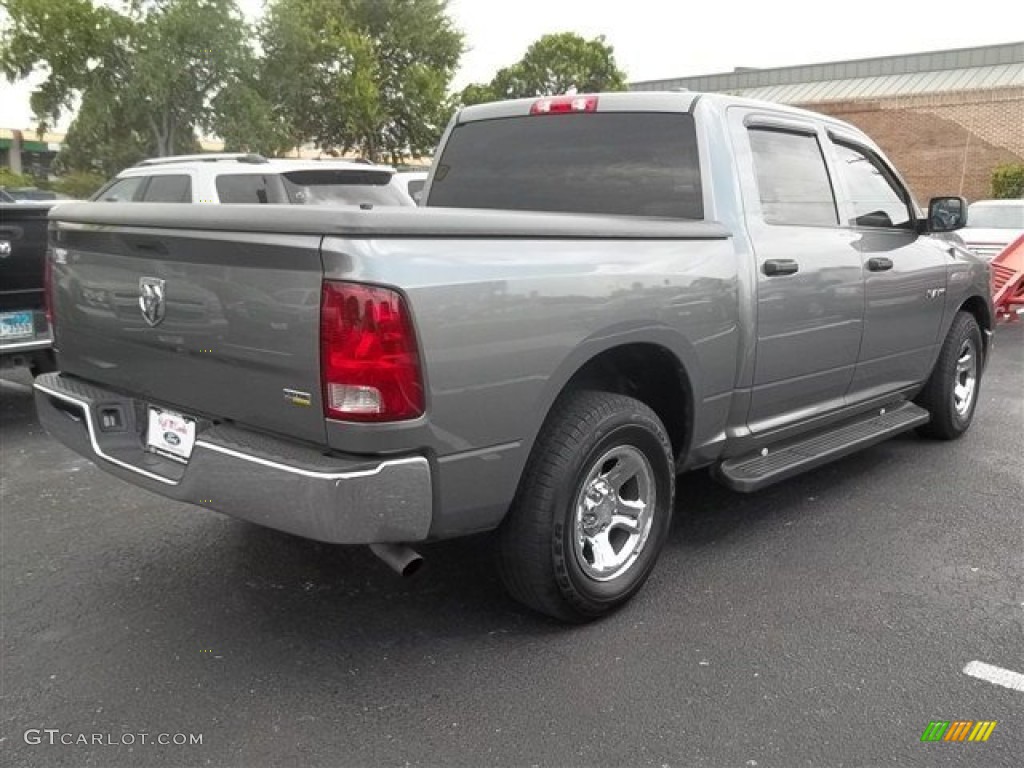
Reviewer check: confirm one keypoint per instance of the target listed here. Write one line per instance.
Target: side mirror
(947, 214)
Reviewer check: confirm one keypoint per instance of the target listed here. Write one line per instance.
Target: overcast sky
(673, 38)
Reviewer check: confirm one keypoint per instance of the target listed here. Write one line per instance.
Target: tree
(552, 65)
(146, 72)
(364, 75)
(1008, 181)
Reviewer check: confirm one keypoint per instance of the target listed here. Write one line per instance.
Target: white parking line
(996, 675)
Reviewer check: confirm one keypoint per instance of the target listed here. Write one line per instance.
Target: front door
(810, 288)
(904, 273)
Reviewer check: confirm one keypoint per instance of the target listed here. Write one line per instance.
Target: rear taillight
(369, 362)
(560, 105)
(48, 287)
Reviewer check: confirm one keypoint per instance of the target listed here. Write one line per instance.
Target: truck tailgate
(223, 325)
(22, 244)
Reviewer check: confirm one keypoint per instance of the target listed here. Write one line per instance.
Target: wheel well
(977, 307)
(651, 374)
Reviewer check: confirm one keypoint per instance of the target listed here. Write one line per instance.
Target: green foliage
(553, 65)
(1008, 182)
(363, 75)
(146, 71)
(79, 185)
(9, 178)
(147, 76)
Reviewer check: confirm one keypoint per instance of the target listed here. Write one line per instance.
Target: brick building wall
(946, 143)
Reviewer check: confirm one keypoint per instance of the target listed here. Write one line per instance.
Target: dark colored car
(24, 330)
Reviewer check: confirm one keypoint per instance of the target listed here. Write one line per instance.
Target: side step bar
(774, 463)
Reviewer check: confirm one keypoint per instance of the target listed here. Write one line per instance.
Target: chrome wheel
(613, 513)
(965, 381)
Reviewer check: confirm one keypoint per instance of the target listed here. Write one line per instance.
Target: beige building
(945, 118)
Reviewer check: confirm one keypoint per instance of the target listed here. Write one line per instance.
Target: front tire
(593, 508)
(951, 393)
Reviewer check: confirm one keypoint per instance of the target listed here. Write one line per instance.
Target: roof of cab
(658, 101)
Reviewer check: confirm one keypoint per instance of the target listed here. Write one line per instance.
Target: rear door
(904, 272)
(810, 290)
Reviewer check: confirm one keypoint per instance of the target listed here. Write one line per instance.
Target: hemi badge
(295, 397)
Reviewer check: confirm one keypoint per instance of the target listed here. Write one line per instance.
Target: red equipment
(1008, 281)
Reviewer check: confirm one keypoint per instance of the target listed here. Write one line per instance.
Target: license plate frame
(170, 433)
(17, 325)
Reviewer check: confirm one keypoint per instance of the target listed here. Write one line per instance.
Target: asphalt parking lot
(824, 622)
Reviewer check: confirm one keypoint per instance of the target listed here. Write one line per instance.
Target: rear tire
(593, 507)
(951, 394)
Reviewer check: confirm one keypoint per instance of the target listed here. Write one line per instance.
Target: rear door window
(250, 188)
(626, 163)
(792, 180)
(176, 188)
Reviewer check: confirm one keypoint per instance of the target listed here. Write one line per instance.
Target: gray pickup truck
(683, 281)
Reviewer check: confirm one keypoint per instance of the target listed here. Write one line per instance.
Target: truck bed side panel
(505, 322)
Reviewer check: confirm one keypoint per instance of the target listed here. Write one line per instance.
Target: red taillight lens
(369, 362)
(560, 105)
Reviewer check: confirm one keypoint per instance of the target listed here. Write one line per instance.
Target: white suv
(248, 178)
(992, 225)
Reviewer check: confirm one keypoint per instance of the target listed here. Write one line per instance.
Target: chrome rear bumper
(267, 480)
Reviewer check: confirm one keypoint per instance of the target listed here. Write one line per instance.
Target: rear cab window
(619, 163)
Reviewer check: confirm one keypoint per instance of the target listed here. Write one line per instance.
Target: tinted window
(311, 187)
(250, 188)
(169, 189)
(638, 164)
(122, 190)
(792, 180)
(877, 198)
(342, 187)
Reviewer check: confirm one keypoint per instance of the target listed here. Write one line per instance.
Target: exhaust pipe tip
(403, 560)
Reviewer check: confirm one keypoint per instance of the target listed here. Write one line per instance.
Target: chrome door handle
(879, 264)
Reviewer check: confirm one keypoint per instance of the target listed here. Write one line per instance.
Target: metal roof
(994, 66)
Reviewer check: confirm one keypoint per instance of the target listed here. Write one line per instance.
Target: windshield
(995, 216)
(632, 164)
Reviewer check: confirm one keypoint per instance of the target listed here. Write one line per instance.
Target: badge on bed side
(295, 397)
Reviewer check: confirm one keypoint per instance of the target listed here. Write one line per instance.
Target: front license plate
(16, 325)
(170, 433)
